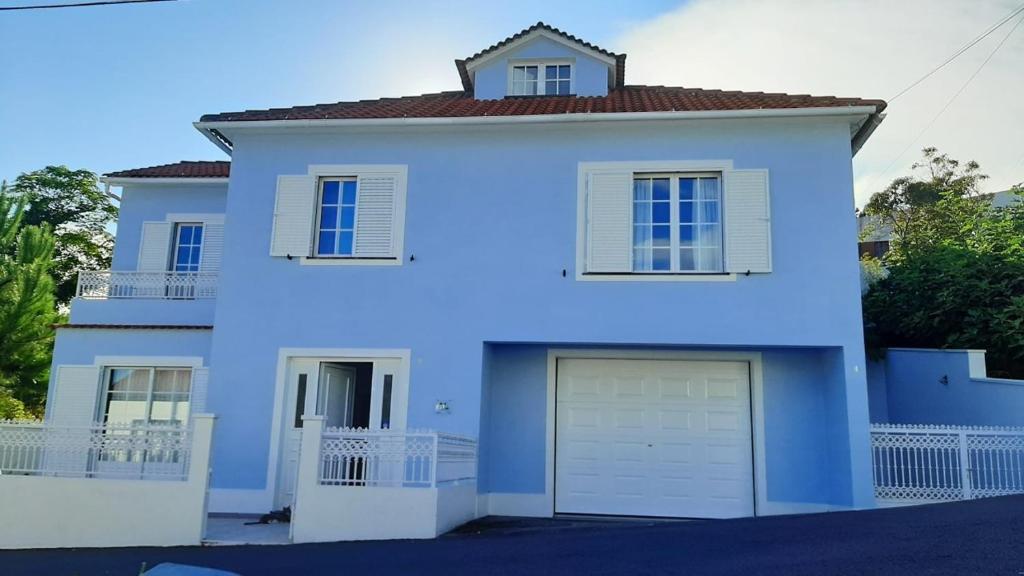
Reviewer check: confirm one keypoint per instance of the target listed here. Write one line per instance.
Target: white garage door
(653, 438)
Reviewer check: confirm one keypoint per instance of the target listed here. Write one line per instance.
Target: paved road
(981, 537)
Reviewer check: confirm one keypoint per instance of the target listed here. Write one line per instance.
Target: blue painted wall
(80, 346)
(149, 202)
(915, 394)
(591, 75)
(491, 241)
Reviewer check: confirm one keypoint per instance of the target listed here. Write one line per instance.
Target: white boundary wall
(329, 513)
(53, 512)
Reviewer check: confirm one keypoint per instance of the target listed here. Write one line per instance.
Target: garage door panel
(653, 438)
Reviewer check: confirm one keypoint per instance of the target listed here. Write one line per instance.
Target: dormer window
(541, 79)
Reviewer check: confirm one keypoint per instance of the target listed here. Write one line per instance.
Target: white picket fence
(397, 458)
(918, 463)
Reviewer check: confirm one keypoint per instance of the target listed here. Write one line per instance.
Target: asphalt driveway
(980, 537)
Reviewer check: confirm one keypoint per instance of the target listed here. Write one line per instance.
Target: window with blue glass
(188, 242)
(557, 79)
(336, 217)
(677, 223)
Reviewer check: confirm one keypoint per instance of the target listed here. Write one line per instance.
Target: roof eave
(215, 136)
(220, 125)
(151, 180)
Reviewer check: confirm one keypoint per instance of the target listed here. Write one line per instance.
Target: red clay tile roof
(620, 59)
(184, 169)
(625, 99)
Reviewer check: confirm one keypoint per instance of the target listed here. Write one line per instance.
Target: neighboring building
(641, 300)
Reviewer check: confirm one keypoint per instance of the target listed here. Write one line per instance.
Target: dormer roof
(466, 66)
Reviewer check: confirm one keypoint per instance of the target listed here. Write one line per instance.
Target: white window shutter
(610, 222)
(200, 383)
(294, 210)
(155, 246)
(74, 395)
(212, 247)
(748, 227)
(375, 215)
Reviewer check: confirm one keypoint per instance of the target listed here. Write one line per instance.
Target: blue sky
(118, 87)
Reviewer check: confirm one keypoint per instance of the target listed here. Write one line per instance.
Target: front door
(347, 392)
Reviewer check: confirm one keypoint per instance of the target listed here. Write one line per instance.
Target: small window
(557, 79)
(336, 218)
(677, 223)
(147, 396)
(525, 80)
(188, 241)
(541, 80)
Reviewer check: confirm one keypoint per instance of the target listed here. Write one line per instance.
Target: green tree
(72, 203)
(955, 267)
(26, 309)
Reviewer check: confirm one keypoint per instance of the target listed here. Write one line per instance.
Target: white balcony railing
(103, 284)
(395, 458)
(130, 451)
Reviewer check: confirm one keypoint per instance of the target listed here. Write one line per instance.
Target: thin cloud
(870, 49)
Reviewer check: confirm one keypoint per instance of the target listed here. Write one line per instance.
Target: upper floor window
(672, 219)
(337, 217)
(541, 79)
(677, 223)
(188, 242)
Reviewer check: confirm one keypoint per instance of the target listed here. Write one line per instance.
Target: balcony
(153, 298)
(107, 284)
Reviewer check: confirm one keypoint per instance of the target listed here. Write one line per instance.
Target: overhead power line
(80, 4)
(952, 99)
(962, 49)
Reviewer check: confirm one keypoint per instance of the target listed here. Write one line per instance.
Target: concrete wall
(491, 242)
(326, 513)
(591, 75)
(51, 512)
(949, 387)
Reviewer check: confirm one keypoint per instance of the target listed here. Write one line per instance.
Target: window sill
(327, 261)
(655, 277)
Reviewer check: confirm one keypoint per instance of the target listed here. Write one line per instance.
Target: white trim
(841, 111)
(756, 401)
(473, 64)
(638, 166)
(656, 277)
(320, 171)
(149, 361)
(156, 181)
(404, 355)
(541, 64)
(205, 218)
(338, 261)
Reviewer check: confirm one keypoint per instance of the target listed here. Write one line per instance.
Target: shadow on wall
(928, 386)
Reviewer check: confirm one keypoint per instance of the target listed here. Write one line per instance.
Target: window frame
(107, 372)
(176, 245)
(542, 66)
(675, 223)
(321, 181)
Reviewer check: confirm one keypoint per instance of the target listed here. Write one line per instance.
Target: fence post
(199, 465)
(433, 460)
(309, 468)
(965, 466)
